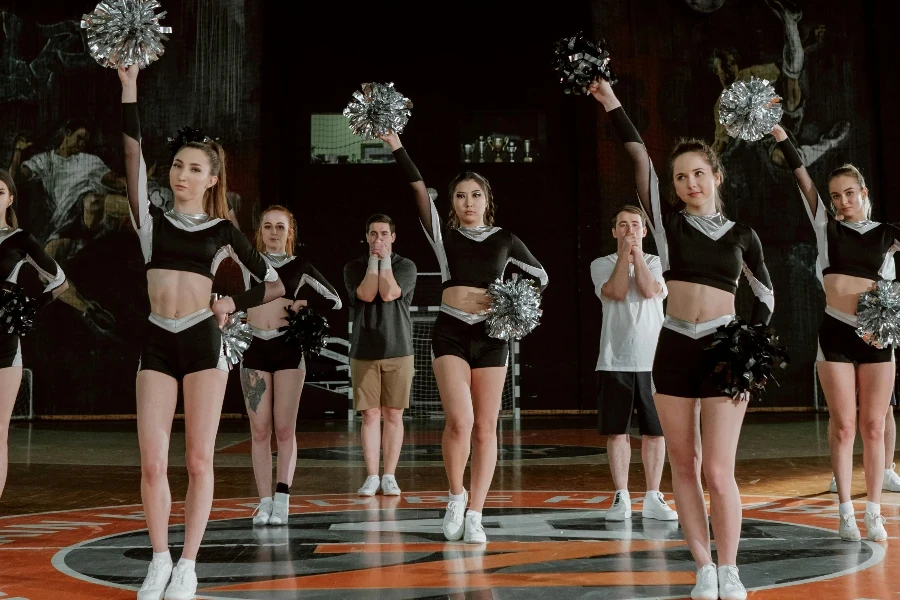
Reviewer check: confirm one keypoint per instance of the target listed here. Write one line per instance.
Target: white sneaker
(730, 586)
(280, 509)
(263, 511)
(707, 586)
(832, 487)
(891, 480)
(389, 486)
(621, 507)
(474, 530)
(371, 487)
(454, 519)
(157, 577)
(875, 527)
(849, 528)
(655, 507)
(183, 585)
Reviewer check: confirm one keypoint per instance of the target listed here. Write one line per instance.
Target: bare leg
(10, 379)
(618, 452)
(288, 387)
(653, 455)
(876, 380)
(890, 437)
(204, 392)
(680, 419)
(392, 438)
(454, 379)
(839, 384)
(487, 394)
(257, 386)
(371, 439)
(721, 420)
(157, 394)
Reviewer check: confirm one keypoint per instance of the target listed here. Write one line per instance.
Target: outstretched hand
(601, 90)
(391, 139)
(128, 75)
(21, 143)
(779, 133)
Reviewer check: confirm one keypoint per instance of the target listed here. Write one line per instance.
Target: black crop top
(302, 281)
(171, 240)
(472, 256)
(708, 250)
(18, 247)
(862, 249)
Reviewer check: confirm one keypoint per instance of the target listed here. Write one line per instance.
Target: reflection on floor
(71, 524)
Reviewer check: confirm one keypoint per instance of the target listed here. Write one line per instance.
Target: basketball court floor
(71, 525)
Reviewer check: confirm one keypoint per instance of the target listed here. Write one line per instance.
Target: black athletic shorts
(10, 351)
(620, 394)
(271, 355)
(681, 366)
(454, 337)
(196, 348)
(838, 342)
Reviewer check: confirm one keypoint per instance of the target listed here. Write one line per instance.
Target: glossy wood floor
(71, 524)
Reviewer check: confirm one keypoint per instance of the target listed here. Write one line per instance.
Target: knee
(262, 435)
(685, 465)
(154, 469)
(372, 415)
(844, 433)
(393, 416)
(719, 479)
(198, 463)
(872, 430)
(284, 433)
(484, 433)
(459, 425)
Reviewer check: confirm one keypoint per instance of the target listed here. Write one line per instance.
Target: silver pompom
(750, 110)
(121, 33)
(378, 109)
(878, 315)
(236, 337)
(515, 310)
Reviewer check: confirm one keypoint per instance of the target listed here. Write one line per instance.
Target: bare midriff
(842, 291)
(472, 300)
(697, 303)
(271, 315)
(176, 294)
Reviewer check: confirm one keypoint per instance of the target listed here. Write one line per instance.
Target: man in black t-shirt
(380, 287)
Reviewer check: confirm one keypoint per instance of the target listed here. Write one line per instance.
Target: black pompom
(186, 135)
(744, 357)
(307, 329)
(581, 61)
(17, 311)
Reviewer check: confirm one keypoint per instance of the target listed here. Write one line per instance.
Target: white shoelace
(178, 576)
(707, 576)
(455, 509)
(732, 577)
(155, 572)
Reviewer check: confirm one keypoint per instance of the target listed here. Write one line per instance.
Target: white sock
(185, 563)
(387, 476)
(474, 514)
(458, 497)
(651, 493)
(269, 498)
(873, 508)
(281, 497)
(162, 556)
(845, 508)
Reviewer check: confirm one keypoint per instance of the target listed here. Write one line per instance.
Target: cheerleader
(854, 253)
(703, 256)
(182, 249)
(272, 369)
(469, 365)
(18, 247)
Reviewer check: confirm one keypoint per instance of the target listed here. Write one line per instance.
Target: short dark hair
(380, 218)
(73, 125)
(630, 208)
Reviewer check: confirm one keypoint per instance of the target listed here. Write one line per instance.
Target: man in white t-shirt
(630, 285)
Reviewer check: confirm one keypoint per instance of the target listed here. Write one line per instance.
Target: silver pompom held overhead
(515, 310)
(236, 337)
(749, 111)
(878, 315)
(121, 33)
(378, 109)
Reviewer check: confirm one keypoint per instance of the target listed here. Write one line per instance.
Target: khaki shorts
(385, 382)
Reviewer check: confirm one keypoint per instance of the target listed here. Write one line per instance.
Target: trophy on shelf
(497, 144)
(468, 148)
(511, 148)
(527, 158)
(481, 145)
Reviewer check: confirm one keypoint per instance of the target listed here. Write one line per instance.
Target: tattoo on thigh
(254, 385)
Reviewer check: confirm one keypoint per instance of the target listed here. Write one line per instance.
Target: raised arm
(804, 181)
(645, 178)
(135, 168)
(324, 296)
(427, 212)
(47, 268)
